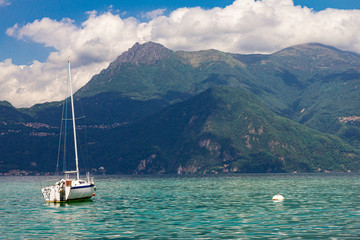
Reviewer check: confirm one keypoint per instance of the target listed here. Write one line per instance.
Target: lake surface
(316, 206)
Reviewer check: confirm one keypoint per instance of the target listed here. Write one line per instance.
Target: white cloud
(246, 26)
(4, 3)
(153, 14)
(91, 47)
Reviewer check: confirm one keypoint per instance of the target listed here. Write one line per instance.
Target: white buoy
(278, 197)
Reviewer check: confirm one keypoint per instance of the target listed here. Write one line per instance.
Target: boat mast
(74, 126)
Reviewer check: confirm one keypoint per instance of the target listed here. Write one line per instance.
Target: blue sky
(25, 11)
(37, 35)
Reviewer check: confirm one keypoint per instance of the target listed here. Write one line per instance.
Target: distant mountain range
(154, 110)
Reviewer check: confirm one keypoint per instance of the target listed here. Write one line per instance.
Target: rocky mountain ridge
(312, 84)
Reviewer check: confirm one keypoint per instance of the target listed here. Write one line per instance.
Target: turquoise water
(316, 206)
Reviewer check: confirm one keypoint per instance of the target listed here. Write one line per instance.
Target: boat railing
(49, 182)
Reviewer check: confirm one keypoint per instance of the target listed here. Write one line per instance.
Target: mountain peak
(147, 53)
(317, 57)
(6, 103)
(309, 49)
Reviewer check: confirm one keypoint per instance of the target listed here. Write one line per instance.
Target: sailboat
(70, 187)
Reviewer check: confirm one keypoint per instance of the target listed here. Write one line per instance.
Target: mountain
(312, 84)
(224, 129)
(317, 83)
(9, 114)
(143, 72)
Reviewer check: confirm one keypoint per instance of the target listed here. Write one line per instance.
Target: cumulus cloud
(246, 26)
(91, 47)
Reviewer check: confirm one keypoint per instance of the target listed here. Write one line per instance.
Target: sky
(37, 37)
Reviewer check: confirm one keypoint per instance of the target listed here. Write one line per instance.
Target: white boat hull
(81, 193)
(68, 190)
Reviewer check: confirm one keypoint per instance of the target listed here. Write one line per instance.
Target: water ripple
(189, 207)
